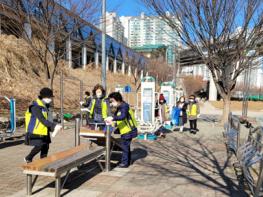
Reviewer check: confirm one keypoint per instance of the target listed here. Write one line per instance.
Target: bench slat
(91, 133)
(74, 159)
(80, 161)
(39, 164)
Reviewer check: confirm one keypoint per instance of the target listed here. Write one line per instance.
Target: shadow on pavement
(193, 161)
(138, 153)
(76, 178)
(9, 143)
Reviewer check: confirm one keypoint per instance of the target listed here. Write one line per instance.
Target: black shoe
(27, 161)
(123, 166)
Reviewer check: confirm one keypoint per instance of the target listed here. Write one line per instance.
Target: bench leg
(58, 186)
(29, 184)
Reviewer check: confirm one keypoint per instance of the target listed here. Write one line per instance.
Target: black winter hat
(46, 93)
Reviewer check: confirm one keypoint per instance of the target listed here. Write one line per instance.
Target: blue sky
(126, 7)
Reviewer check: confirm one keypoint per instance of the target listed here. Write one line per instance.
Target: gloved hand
(58, 127)
(85, 109)
(109, 120)
(81, 102)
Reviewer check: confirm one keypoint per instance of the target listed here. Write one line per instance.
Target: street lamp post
(103, 45)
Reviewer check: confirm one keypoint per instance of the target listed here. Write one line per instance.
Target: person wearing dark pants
(126, 157)
(193, 125)
(193, 112)
(38, 126)
(43, 149)
(126, 124)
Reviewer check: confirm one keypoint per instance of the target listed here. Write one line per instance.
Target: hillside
(22, 76)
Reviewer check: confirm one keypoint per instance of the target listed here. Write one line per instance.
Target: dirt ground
(237, 105)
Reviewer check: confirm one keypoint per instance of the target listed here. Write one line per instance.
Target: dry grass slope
(22, 76)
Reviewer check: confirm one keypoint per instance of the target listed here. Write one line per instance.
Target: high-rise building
(125, 22)
(114, 27)
(146, 31)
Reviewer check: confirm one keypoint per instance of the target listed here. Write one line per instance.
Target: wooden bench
(232, 134)
(60, 163)
(250, 160)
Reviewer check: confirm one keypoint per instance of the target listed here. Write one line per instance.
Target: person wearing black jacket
(38, 127)
(183, 115)
(86, 104)
(125, 124)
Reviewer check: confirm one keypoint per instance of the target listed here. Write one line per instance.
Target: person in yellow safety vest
(38, 126)
(193, 112)
(99, 106)
(125, 123)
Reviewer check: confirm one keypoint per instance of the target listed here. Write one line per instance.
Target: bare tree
(193, 84)
(47, 25)
(223, 33)
(159, 68)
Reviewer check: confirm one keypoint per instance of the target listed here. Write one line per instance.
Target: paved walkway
(182, 164)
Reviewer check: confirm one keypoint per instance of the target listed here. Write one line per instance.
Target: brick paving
(182, 164)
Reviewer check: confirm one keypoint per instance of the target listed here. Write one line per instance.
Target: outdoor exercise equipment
(168, 91)
(12, 118)
(147, 99)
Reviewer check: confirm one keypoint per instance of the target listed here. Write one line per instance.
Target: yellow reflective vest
(193, 110)
(104, 108)
(33, 125)
(128, 124)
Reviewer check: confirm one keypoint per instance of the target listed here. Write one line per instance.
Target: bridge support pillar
(123, 68)
(141, 74)
(51, 46)
(28, 30)
(212, 90)
(84, 57)
(135, 72)
(115, 66)
(129, 70)
(96, 59)
(107, 63)
(69, 53)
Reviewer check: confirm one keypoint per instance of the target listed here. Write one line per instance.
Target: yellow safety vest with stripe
(193, 110)
(104, 108)
(128, 124)
(33, 125)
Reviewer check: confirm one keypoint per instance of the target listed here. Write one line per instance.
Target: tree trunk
(47, 70)
(226, 109)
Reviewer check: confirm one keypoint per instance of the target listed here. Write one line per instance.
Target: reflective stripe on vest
(104, 108)
(126, 126)
(33, 125)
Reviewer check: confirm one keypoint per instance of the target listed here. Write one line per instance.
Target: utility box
(147, 99)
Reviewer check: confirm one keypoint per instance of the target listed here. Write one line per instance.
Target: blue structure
(84, 43)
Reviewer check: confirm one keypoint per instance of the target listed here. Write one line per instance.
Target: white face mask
(47, 100)
(99, 95)
(114, 104)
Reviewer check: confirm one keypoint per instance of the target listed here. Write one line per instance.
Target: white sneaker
(181, 129)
